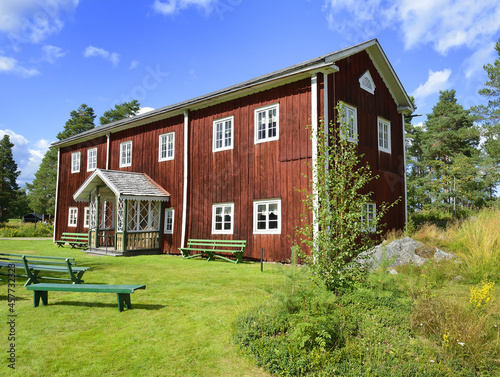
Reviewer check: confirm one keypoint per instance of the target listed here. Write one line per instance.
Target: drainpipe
(57, 192)
(314, 141)
(108, 135)
(185, 184)
(404, 169)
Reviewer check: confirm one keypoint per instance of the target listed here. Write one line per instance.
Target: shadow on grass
(5, 298)
(107, 305)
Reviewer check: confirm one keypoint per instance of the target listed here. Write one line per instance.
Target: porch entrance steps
(103, 251)
(118, 253)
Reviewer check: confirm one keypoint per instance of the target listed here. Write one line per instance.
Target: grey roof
(125, 185)
(372, 47)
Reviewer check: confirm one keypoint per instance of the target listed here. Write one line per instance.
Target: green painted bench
(35, 267)
(41, 291)
(213, 248)
(80, 240)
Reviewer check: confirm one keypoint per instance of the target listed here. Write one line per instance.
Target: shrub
(27, 230)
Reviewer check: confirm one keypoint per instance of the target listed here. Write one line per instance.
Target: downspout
(404, 170)
(185, 184)
(314, 141)
(57, 192)
(108, 136)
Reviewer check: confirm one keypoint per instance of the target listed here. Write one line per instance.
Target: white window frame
(168, 140)
(223, 122)
(266, 202)
(368, 216)
(73, 216)
(223, 206)
(366, 82)
(92, 159)
(168, 227)
(126, 147)
(75, 162)
(86, 217)
(265, 110)
(384, 135)
(351, 113)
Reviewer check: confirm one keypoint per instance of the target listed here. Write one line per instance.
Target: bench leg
(37, 295)
(123, 300)
(32, 278)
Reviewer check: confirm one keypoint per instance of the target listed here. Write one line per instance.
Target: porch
(124, 214)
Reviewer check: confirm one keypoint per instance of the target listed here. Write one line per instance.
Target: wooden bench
(41, 291)
(33, 265)
(74, 239)
(212, 248)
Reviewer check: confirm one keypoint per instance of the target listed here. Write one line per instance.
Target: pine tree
(8, 176)
(450, 151)
(42, 192)
(489, 115)
(81, 120)
(121, 111)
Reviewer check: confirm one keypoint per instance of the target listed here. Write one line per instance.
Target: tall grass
(477, 243)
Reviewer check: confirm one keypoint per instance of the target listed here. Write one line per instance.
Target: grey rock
(441, 255)
(399, 252)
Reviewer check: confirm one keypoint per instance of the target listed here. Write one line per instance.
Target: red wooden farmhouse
(229, 164)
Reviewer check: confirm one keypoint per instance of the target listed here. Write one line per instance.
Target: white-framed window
(126, 154)
(366, 82)
(350, 118)
(92, 159)
(223, 135)
(86, 217)
(73, 216)
(384, 135)
(222, 218)
(368, 216)
(168, 227)
(166, 147)
(267, 216)
(143, 216)
(75, 162)
(266, 123)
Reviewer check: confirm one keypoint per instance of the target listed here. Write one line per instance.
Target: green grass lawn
(179, 326)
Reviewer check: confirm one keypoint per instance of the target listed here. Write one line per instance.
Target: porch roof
(125, 185)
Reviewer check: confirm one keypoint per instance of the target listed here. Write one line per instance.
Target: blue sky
(58, 54)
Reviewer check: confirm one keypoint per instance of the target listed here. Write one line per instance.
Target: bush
(27, 230)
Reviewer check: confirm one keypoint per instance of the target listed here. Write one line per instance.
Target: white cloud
(444, 24)
(173, 6)
(33, 20)
(51, 53)
(474, 64)
(11, 65)
(133, 64)
(27, 155)
(144, 110)
(437, 81)
(113, 57)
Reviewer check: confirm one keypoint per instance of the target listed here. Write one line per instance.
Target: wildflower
(446, 338)
(462, 344)
(481, 296)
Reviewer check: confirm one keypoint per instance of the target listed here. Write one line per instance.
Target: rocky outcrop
(399, 252)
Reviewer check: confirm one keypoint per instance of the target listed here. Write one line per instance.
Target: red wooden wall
(249, 172)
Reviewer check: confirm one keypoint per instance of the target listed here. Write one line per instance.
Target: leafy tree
(8, 176)
(42, 192)
(81, 120)
(341, 228)
(489, 115)
(121, 111)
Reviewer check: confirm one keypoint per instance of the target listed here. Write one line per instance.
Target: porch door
(107, 223)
